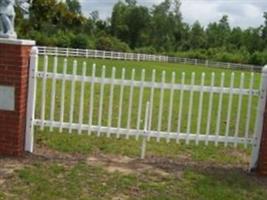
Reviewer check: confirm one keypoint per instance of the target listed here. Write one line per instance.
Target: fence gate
(75, 97)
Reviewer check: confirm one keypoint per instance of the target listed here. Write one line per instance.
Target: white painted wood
(239, 107)
(179, 123)
(143, 148)
(130, 102)
(229, 107)
(171, 106)
(43, 99)
(62, 105)
(156, 85)
(91, 105)
(140, 102)
(29, 133)
(210, 108)
(53, 93)
(191, 98)
(101, 99)
(121, 101)
(219, 113)
(249, 104)
(111, 99)
(151, 102)
(153, 134)
(200, 106)
(82, 98)
(163, 77)
(72, 94)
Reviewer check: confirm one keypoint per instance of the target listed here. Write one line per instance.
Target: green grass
(85, 144)
(80, 181)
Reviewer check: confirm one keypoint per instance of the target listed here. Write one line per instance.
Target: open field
(73, 166)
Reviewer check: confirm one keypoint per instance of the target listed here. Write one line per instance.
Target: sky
(243, 13)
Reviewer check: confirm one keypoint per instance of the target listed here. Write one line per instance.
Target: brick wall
(262, 165)
(14, 67)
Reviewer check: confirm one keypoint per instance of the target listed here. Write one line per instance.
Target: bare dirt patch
(123, 164)
(8, 167)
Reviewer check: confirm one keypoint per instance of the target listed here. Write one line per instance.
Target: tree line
(136, 28)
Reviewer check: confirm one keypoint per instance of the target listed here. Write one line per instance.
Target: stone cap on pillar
(17, 42)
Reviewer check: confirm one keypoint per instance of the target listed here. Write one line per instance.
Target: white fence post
(29, 138)
(143, 148)
(259, 120)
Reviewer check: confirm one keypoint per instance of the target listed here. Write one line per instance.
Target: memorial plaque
(7, 98)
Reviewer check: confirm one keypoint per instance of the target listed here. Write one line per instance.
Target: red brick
(14, 64)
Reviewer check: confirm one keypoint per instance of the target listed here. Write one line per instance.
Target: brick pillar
(262, 162)
(14, 70)
(259, 151)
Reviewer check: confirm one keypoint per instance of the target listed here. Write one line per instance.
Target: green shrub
(104, 43)
(258, 58)
(111, 44)
(146, 50)
(80, 41)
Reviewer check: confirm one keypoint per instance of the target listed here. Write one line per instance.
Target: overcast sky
(242, 13)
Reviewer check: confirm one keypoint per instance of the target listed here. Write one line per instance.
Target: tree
(264, 31)
(166, 30)
(129, 22)
(74, 6)
(197, 36)
(131, 2)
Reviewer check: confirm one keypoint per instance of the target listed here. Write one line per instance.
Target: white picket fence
(89, 53)
(72, 99)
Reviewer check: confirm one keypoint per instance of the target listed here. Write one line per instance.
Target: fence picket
(130, 103)
(219, 113)
(200, 106)
(163, 77)
(229, 107)
(140, 103)
(180, 108)
(251, 85)
(239, 107)
(91, 104)
(210, 108)
(82, 98)
(171, 106)
(72, 94)
(43, 99)
(189, 119)
(121, 101)
(102, 87)
(62, 105)
(153, 79)
(53, 93)
(111, 100)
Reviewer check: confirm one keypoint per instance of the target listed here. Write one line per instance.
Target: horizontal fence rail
(191, 107)
(89, 53)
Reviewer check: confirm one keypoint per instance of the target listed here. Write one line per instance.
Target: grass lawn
(72, 166)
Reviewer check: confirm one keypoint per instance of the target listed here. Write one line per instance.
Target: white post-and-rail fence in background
(89, 53)
(85, 101)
